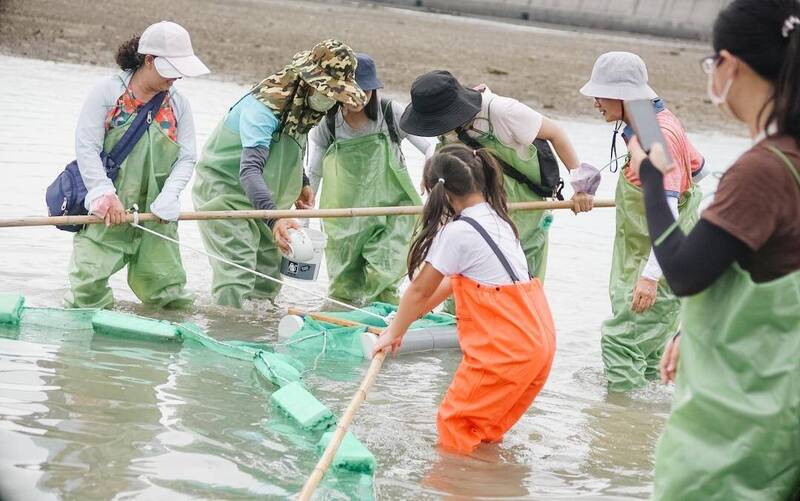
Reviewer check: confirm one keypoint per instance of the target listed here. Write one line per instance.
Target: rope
(324, 334)
(304, 338)
(324, 349)
(606, 166)
(254, 272)
(260, 355)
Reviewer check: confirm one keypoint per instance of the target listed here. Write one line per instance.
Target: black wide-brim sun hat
(439, 104)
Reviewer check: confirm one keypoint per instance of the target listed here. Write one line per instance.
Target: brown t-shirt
(758, 202)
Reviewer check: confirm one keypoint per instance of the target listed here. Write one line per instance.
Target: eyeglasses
(708, 63)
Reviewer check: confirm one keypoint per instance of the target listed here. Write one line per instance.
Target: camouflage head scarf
(328, 68)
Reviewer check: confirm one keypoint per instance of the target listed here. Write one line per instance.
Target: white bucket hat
(619, 75)
(171, 45)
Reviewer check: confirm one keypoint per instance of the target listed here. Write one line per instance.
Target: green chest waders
(247, 242)
(532, 234)
(366, 256)
(631, 342)
(155, 270)
(734, 430)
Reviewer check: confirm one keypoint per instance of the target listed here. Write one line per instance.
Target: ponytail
(765, 34)
(435, 214)
(493, 189)
(459, 171)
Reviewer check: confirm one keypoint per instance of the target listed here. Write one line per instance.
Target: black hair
(128, 57)
(753, 31)
(371, 108)
(458, 170)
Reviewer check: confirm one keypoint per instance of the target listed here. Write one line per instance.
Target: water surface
(93, 417)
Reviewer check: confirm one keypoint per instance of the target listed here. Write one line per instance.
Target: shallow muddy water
(88, 417)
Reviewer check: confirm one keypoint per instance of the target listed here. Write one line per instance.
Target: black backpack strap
(548, 165)
(492, 245)
(523, 180)
(125, 145)
(508, 170)
(330, 121)
(388, 115)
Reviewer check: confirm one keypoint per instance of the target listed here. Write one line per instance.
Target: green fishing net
(282, 370)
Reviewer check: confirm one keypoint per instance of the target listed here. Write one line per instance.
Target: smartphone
(642, 116)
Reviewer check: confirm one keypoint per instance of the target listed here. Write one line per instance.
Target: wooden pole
(347, 418)
(322, 317)
(341, 429)
(277, 214)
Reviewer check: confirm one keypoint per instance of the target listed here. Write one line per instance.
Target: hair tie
(441, 180)
(789, 25)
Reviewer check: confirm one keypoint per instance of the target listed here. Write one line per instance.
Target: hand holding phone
(641, 114)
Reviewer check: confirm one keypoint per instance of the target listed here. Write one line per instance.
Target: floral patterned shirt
(127, 104)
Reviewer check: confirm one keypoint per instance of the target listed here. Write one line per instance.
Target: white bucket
(306, 270)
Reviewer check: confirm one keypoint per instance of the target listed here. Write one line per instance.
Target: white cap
(619, 75)
(171, 45)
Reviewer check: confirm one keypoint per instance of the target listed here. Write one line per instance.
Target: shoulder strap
(492, 245)
(330, 121)
(140, 124)
(388, 114)
(508, 170)
(789, 165)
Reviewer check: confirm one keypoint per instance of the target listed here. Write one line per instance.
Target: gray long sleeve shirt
(251, 172)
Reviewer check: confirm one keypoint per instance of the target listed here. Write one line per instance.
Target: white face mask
(720, 101)
(320, 102)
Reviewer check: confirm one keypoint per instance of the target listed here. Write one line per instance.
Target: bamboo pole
(333, 320)
(277, 214)
(341, 429)
(347, 418)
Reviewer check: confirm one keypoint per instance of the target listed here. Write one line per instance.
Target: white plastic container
(308, 270)
(418, 340)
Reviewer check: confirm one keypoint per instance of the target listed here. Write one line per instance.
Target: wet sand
(245, 40)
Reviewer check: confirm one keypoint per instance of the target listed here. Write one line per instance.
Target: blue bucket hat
(366, 75)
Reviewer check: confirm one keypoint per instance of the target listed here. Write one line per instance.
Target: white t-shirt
(515, 124)
(458, 249)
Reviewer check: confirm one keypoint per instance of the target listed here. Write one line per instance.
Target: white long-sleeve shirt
(90, 135)
(320, 139)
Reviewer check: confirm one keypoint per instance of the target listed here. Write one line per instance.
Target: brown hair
(457, 170)
(128, 57)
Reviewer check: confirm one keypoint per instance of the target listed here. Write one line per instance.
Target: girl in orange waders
(467, 245)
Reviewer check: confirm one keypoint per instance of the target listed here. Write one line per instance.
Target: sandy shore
(244, 40)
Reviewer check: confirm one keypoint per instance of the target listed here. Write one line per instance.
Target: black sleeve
(251, 177)
(306, 182)
(690, 263)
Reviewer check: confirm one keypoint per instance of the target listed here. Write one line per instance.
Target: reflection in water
(199, 434)
(485, 473)
(86, 417)
(624, 429)
(106, 415)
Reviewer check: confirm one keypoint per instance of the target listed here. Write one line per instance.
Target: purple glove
(585, 179)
